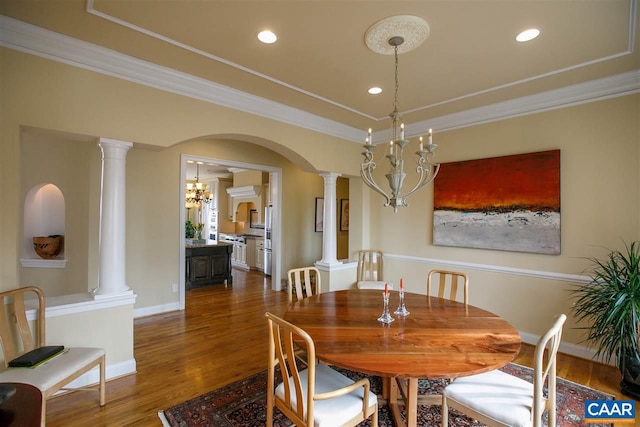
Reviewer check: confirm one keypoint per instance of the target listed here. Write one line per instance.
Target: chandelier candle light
(414, 30)
(196, 192)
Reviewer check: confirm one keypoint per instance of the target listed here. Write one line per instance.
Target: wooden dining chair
(444, 280)
(496, 398)
(56, 373)
(452, 280)
(304, 281)
(313, 394)
(369, 271)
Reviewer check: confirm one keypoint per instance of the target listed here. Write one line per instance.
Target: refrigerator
(268, 213)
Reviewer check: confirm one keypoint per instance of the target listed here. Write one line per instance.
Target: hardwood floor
(221, 337)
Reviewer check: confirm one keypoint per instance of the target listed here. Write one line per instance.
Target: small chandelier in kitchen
(196, 191)
(394, 31)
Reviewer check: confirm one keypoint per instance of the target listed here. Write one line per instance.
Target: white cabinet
(251, 252)
(255, 253)
(259, 254)
(239, 256)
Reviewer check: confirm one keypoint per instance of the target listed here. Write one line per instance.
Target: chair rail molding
(539, 274)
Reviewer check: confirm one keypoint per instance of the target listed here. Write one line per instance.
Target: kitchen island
(207, 264)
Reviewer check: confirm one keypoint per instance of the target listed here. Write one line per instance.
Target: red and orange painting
(504, 203)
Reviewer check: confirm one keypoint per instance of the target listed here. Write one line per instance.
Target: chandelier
(416, 30)
(196, 192)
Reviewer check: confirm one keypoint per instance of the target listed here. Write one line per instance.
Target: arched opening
(44, 215)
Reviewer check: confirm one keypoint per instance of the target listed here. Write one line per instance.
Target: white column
(112, 219)
(329, 233)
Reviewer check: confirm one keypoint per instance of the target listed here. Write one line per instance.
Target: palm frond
(610, 303)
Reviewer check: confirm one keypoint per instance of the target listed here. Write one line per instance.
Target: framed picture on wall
(319, 214)
(344, 214)
(509, 203)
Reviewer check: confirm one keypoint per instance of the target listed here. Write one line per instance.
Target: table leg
(411, 404)
(408, 394)
(386, 381)
(394, 394)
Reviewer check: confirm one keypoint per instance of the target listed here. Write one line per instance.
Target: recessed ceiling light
(527, 35)
(375, 90)
(267, 36)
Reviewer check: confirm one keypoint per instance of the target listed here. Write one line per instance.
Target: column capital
(330, 176)
(114, 148)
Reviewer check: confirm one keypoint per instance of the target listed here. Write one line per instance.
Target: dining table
(438, 338)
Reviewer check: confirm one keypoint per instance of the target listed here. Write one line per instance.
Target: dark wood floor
(218, 339)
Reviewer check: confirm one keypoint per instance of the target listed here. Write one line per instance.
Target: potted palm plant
(610, 303)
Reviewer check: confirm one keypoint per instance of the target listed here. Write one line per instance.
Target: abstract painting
(507, 203)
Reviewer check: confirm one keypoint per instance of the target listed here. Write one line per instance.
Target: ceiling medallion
(412, 29)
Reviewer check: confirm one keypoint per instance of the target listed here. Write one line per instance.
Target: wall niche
(44, 215)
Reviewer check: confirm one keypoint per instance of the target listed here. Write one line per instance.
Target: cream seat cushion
(500, 396)
(373, 284)
(53, 371)
(330, 412)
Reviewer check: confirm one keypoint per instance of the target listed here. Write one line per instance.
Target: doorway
(220, 165)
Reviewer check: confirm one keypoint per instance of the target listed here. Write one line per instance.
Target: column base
(328, 264)
(102, 294)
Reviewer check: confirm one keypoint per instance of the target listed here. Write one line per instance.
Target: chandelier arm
(427, 175)
(366, 177)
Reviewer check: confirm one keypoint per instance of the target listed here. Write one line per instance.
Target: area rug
(242, 404)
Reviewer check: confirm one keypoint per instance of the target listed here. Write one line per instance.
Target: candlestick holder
(401, 310)
(386, 316)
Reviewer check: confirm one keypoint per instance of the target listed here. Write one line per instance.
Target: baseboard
(113, 371)
(156, 309)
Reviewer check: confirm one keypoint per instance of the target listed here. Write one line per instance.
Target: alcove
(44, 215)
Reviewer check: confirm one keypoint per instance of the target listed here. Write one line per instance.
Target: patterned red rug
(242, 404)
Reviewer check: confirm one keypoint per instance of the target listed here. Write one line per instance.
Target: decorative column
(329, 233)
(112, 219)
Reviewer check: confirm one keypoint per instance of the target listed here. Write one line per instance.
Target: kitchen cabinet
(207, 265)
(251, 252)
(259, 254)
(255, 252)
(239, 256)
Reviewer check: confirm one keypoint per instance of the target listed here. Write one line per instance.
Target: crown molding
(568, 96)
(57, 47)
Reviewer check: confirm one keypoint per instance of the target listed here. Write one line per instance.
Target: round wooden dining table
(439, 338)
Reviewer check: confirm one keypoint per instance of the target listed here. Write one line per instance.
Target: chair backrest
(448, 279)
(544, 368)
(282, 353)
(369, 265)
(14, 326)
(304, 281)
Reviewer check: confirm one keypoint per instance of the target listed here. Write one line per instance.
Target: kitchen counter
(207, 264)
(205, 245)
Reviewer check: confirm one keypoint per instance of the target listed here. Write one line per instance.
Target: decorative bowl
(48, 247)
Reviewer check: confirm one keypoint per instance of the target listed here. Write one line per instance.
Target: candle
(401, 284)
(430, 140)
(391, 148)
(386, 288)
(369, 137)
(421, 146)
(401, 130)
